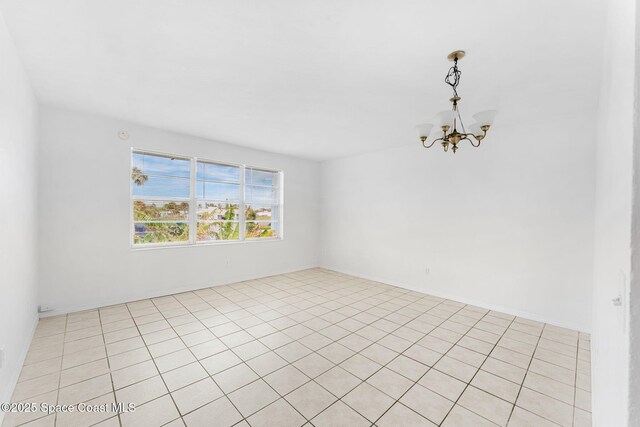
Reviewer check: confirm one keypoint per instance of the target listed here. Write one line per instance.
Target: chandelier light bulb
(446, 118)
(485, 118)
(424, 130)
(475, 129)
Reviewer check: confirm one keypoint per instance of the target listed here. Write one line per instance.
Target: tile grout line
(113, 387)
(320, 288)
(487, 313)
(379, 369)
(478, 370)
(525, 376)
(312, 351)
(292, 363)
(433, 367)
(156, 366)
(575, 393)
(409, 304)
(421, 376)
(399, 308)
(224, 394)
(66, 325)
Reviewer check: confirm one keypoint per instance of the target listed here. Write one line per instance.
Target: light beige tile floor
(313, 347)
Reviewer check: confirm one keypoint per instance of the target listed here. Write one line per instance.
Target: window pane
(217, 191)
(217, 172)
(260, 177)
(156, 186)
(261, 213)
(149, 164)
(217, 231)
(212, 211)
(160, 232)
(261, 195)
(256, 230)
(160, 210)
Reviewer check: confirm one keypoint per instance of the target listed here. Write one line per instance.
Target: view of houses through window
(182, 200)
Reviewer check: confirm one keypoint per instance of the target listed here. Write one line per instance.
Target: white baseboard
(430, 291)
(7, 391)
(483, 304)
(164, 292)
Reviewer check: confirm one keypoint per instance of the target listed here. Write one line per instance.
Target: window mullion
(242, 210)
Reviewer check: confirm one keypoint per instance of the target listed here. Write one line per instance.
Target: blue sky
(169, 177)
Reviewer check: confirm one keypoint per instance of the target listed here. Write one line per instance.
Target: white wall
(18, 133)
(610, 347)
(85, 256)
(634, 288)
(507, 226)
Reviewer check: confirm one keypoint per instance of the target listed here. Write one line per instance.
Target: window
(218, 194)
(160, 189)
(183, 201)
(261, 203)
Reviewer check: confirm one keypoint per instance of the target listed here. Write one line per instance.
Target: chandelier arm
(432, 142)
(466, 137)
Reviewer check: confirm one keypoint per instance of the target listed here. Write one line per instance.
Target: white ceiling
(317, 79)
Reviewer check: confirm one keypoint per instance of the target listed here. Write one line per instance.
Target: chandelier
(450, 122)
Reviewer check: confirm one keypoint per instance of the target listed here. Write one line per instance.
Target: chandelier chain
(453, 80)
(453, 77)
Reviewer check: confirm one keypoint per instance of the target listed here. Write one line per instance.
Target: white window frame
(193, 204)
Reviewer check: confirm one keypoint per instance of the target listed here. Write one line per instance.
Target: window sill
(195, 245)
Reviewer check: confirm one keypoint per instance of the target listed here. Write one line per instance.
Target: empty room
(281, 213)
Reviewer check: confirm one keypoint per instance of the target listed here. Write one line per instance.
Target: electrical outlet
(1, 357)
(427, 270)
